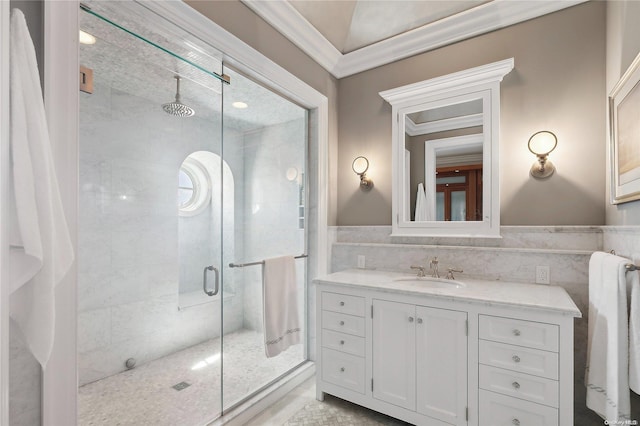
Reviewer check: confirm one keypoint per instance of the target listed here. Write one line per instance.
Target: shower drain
(181, 385)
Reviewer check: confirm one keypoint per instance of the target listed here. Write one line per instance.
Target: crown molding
(493, 72)
(473, 22)
(462, 122)
(291, 24)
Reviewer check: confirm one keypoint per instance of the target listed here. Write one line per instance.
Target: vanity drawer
(524, 386)
(351, 305)
(517, 332)
(343, 370)
(343, 342)
(518, 358)
(343, 323)
(500, 410)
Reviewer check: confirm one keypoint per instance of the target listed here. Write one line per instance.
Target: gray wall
(558, 84)
(623, 44)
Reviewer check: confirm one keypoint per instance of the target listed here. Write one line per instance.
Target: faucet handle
(450, 272)
(420, 270)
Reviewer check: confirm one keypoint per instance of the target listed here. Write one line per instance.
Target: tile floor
(145, 394)
(300, 407)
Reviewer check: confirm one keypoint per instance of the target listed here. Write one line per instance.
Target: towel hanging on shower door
(41, 252)
(280, 305)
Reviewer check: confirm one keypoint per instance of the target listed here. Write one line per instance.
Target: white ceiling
(354, 24)
(350, 36)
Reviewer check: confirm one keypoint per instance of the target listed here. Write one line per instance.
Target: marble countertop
(534, 296)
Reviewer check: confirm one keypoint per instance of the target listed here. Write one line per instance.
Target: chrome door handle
(204, 281)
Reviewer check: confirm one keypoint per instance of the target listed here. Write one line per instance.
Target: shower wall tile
(270, 222)
(95, 330)
(129, 235)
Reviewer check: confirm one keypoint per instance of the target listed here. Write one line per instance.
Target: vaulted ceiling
(349, 36)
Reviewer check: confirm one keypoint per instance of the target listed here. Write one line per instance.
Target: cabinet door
(441, 347)
(394, 353)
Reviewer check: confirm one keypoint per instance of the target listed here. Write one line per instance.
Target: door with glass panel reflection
(459, 193)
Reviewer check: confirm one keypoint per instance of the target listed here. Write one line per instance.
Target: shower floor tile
(149, 395)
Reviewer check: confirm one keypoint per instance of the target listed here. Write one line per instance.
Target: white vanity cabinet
(487, 354)
(420, 359)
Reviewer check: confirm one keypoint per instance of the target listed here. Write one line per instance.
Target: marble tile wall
(128, 257)
(272, 208)
(135, 250)
(566, 250)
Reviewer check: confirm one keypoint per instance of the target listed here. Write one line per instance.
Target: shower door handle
(204, 281)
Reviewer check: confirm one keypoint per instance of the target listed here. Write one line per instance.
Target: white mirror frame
(431, 93)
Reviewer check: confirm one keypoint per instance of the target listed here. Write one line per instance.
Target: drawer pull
(341, 322)
(342, 369)
(410, 319)
(516, 385)
(516, 422)
(515, 358)
(516, 332)
(341, 303)
(342, 342)
(419, 320)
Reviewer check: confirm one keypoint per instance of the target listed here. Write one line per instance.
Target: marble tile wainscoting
(514, 257)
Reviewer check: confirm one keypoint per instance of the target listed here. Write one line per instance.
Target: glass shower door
(150, 222)
(265, 146)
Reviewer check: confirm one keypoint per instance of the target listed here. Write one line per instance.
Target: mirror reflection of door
(459, 193)
(444, 154)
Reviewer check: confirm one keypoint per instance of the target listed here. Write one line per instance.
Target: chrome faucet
(433, 266)
(450, 272)
(420, 269)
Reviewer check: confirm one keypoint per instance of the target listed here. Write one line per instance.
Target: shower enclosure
(184, 178)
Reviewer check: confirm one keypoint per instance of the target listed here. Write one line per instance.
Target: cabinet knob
(515, 358)
(341, 303)
(410, 319)
(341, 322)
(342, 369)
(516, 422)
(419, 320)
(516, 332)
(516, 385)
(342, 342)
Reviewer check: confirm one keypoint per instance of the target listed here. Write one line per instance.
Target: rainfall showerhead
(177, 108)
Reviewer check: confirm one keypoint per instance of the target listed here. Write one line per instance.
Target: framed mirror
(445, 136)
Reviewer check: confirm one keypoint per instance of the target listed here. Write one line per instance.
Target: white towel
(41, 252)
(421, 204)
(607, 374)
(634, 330)
(280, 305)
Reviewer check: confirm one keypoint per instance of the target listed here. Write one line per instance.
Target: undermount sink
(431, 282)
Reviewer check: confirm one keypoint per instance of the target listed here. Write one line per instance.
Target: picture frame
(624, 126)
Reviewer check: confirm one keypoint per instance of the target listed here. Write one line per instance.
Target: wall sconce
(360, 166)
(541, 144)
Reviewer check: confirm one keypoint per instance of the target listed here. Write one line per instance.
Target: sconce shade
(360, 165)
(541, 144)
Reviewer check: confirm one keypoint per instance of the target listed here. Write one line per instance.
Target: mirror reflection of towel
(41, 252)
(421, 204)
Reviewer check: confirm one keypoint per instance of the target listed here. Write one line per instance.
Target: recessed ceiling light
(239, 105)
(86, 38)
